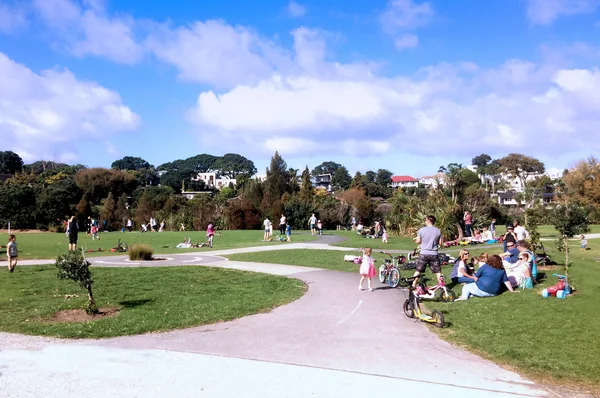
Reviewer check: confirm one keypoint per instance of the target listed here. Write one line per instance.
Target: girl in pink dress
(367, 269)
(210, 234)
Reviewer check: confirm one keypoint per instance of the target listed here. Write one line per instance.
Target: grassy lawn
(355, 240)
(150, 299)
(50, 245)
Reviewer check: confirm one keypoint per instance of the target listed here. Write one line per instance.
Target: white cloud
(11, 18)
(89, 30)
(406, 41)
(296, 10)
(42, 113)
(544, 12)
(406, 14)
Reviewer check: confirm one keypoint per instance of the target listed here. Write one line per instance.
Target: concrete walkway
(333, 342)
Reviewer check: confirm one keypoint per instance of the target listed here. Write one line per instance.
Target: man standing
(520, 231)
(73, 231)
(468, 218)
(430, 238)
(267, 225)
(312, 222)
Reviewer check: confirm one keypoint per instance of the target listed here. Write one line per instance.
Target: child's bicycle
(121, 247)
(430, 292)
(412, 307)
(389, 270)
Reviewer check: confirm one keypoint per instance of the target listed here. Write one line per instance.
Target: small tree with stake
(570, 220)
(74, 266)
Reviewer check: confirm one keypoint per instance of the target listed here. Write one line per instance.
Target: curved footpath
(333, 342)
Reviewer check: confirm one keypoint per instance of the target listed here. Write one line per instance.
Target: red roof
(404, 179)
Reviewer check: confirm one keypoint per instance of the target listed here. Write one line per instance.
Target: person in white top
(486, 234)
(282, 225)
(267, 225)
(520, 231)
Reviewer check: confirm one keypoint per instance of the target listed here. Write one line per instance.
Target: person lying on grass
(489, 280)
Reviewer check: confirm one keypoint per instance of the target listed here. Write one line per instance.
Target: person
(210, 234)
(493, 228)
(288, 232)
(353, 222)
(384, 236)
(511, 255)
(468, 218)
(520, 231)
(312, 222)
(144, 227)
(477, 236)
(182, 227)
(429, 238)
(583, 242)
(152, 224)
(94, 231)
(367, 269)
(162, 226)
(509, 236)
(73, 229)
(489, 280)
(519, 274)
(11, 252)
(267, 225)
(88, 225)
(129, 224)
(282, 224)
(487, 235)
(523, 247)
(319, 227)
(359, 228)
(460, 272)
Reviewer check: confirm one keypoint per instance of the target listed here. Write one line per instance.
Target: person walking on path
(11, 252)
(367, 269)
(312, 222)
(73, 229)
(430, 238)
(468, 218)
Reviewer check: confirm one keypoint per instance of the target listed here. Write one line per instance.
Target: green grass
(547, 339)
(50, 245)
(150, 299)
(355, 240)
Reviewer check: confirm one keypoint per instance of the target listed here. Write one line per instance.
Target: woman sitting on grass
(460, 272)
(488, 280)
(519, 273)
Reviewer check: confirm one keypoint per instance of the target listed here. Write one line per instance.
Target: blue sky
(406, 85)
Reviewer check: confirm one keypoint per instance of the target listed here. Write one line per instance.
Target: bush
(141, 251)
(75, 267)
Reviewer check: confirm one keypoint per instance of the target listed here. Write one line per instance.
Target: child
(367, 269)
(288, 232)
(319, 227)
(11, 252)
(493, 228)
(210, 234)
(384, 237)
(583, 242)
(94, 231)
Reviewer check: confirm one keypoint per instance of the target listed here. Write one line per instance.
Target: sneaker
(360, 288)
(370, 289)
(461, 298)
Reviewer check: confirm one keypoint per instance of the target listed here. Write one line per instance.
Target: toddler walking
(94, 231)
(384, 236)
(11, 252)
(583, 242)
(367, 269)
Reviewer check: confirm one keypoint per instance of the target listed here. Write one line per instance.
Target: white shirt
(487, 235)
(282, 220)
(521, 232)
(267, 223)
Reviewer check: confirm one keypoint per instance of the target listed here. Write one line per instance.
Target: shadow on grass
(134, 303)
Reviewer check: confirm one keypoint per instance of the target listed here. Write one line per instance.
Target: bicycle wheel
(409, 309)
(448, 295)
(123, 247)
(439, 318)
(394, 278)
(382, 273)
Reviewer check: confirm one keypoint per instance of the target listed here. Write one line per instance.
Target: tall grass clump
(140, 251)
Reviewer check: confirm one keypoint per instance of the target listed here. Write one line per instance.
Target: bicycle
(389, 270)
(426, 292)
(121, 246)
(412, 307)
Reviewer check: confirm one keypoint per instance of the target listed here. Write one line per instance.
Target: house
(212, 180)
(433, 181)
(508, 198)
(322, 180)
(193, 194)
(404, 182)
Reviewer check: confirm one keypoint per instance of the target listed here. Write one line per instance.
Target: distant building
(193, 194)
(212, 180)
(322, 180)
(433, 181)
(404, 182)
(509, 199)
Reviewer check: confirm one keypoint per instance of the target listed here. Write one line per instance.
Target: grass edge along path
(549, 340)
(150, 299)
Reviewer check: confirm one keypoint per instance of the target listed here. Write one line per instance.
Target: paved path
(333, 342)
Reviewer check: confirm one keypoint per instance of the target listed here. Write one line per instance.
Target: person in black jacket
(73, 232)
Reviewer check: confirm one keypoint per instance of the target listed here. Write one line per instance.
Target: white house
(404, 182)
(432, 181)
(211, 181)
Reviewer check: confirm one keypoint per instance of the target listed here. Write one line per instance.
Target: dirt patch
(79, 315)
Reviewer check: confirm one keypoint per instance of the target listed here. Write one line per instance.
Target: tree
(341, 178)
(56, 201)
(369, 177)
(10, 162)
(275, 184)
(453, 178)
(75, 267)
(42, 166)
(130, 163)
(231, 165)
(17, 206)
(569, 219)
(358, 181)
(326, 168)
(109, 213)
(98, 182)
(521, 166)
(383, 178)
(481, 161)
(84, 209)
(306, 194)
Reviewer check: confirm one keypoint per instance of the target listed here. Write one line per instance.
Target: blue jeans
(472, 290)
(464, 279)
(468, 230)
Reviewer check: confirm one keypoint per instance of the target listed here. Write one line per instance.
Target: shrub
(140, 251)
(75, 267)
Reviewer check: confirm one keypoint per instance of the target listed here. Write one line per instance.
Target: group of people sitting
(376, 231)
(513, 269)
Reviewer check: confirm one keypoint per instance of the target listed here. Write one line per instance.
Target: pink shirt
(468, 219)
